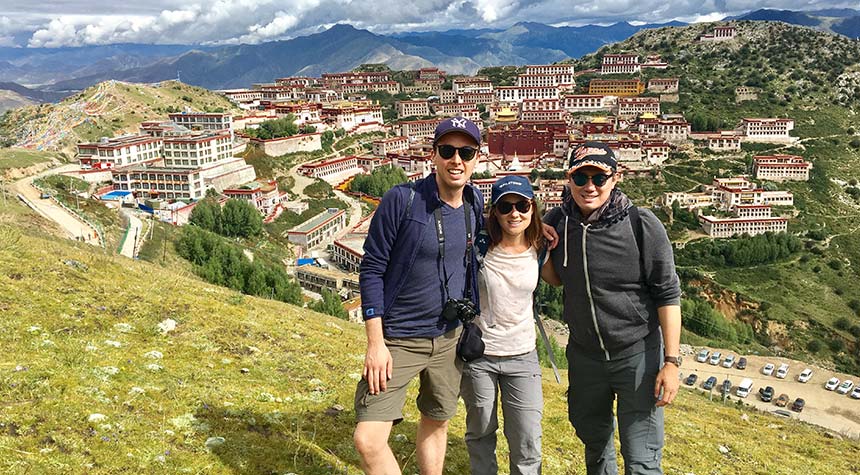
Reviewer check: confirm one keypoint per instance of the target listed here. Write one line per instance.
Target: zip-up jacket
(611, 293)
(393, 241)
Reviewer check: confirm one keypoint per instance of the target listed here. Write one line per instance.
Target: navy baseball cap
(592, 154)
(511, 184)
(457, 124)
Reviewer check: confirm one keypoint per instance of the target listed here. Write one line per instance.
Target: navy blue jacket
(393, 240)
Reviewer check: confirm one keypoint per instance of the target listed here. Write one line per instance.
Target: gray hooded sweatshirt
(611, 293)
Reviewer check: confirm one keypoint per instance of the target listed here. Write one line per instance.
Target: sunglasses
(505, 207)
(581, 179)
(447, 151)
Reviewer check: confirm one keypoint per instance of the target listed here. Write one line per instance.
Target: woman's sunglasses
(580, 179)
(505, 207)
(447, 151)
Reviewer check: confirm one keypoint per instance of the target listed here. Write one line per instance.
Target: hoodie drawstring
(565, 239)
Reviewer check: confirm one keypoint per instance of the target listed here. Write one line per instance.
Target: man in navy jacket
(415, 262)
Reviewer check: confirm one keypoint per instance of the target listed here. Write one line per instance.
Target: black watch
(675, 360)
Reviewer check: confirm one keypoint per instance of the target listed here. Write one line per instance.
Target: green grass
(22, 158)
(64, 305)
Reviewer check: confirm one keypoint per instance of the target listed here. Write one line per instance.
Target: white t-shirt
(506, 283)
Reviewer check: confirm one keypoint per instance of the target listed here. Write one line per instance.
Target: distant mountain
(340, 48)
(843, 21)
(785, 16)
(34, 95)
(849, 27)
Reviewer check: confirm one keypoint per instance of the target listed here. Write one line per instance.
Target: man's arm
(377, 360)
(667, 378)
(548, 273)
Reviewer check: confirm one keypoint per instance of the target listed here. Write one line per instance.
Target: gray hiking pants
(518, 378)
(594, 385)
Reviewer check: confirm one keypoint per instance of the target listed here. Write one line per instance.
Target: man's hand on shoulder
(550, 235)
(378, 366)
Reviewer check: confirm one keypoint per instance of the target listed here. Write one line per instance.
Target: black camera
(459, 309)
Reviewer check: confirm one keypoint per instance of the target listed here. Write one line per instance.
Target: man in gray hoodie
(621, 302)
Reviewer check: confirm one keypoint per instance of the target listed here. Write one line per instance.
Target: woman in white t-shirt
(510, 366)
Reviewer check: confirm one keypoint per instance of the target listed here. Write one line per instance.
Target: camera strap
(440, 238)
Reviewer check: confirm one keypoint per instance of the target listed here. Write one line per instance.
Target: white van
(745, 387)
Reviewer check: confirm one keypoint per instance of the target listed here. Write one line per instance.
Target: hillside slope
(90, 385)
(107, 109)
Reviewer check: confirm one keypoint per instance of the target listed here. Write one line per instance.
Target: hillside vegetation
(91, 384)
(104, 110)
(814, 78)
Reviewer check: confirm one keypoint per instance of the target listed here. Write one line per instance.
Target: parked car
(691, 379)
(782, 400)
(846, 386)
(729, 361)
(831, 384)
(710, 383)
(768, 369)
(702, 356)
(45, 196)
(726, 388)
(766, 394)
(805, 375)
(782, 412)
(782, 371)
(742, 363)
(798, 404)
(855, 393)
(715, 358)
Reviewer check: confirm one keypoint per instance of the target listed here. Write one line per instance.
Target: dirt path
(50, 209)
(134, 235)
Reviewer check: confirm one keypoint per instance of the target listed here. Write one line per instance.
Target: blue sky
(54, 23)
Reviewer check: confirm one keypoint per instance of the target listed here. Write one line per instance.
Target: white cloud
(70, 22)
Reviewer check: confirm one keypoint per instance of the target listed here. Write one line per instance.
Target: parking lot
(836, 412)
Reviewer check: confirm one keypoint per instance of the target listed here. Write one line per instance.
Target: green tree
(241, 219)
(378, 182)
(329, 305)
(207, 215)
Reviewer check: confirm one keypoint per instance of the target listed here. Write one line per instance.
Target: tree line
(741, 252)
(277, 128)
(221, 263)
(238, 218)
(378, 182)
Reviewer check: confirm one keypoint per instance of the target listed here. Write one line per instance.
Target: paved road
(68, 222)
(134, 236)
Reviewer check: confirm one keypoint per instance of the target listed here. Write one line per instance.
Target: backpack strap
(539, 322)
(407, 213)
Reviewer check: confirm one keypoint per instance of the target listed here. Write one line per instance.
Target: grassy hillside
(814, 78)
(106, 109)
(90, 385)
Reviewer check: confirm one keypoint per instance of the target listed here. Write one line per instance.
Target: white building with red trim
(197, 150)
(204, 121)
(333, 169)
(412, 108)
(620, 64)
(630, 107)
(351, 117)
(418, 129)
(317, 229)
(381, 148)
(720, 33)
(466, 85)
(585, 103)
(262, 195)
(120, 151)
(663, 85)
(767, 130)
(724, 141)
(781, 167)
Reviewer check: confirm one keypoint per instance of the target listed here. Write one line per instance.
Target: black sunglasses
(447, 151)
(505, 207)
(580, 179)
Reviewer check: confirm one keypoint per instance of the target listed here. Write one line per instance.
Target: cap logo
(582, 152)
(459, 123)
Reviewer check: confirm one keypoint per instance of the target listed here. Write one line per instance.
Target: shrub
(814, 346)
(842, 323)
(836, 345)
